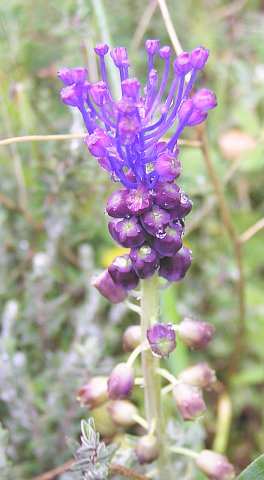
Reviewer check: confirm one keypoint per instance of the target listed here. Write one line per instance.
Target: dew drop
(161, 233)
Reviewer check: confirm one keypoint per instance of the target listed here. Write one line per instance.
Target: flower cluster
(126, 137)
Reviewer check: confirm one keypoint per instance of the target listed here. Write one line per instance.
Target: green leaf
(255, 471)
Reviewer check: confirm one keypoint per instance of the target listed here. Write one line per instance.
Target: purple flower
(169, 243)
(128, 232)
(182, 209)
(155, 220)
(215, 465)
(134, 124)
(195, 334)
(139, 201)
(108, 288)
(120, 382)
(145, 261)
(175, 268)
(189, 400)
(116, 205)
(167, 195)
(122, 273)
(162, 339)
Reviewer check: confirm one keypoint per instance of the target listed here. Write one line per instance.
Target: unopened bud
(200, 375)
(162, 339)
(122, 412)
(131, 338)
(120, 381)
(195, 334)
(108, 288)
(147, 449)
(94, 393)
(189, 401)
(215, 466)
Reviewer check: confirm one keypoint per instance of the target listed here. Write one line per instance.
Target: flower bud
(97, 143)
(182, 64)
(131, 87)
(200, 375)
(145, 261)
(155, 221)
(196, 117)
(174, 268)
(128, 127)
(120, 57)
(147, 449)
(101, 49)
(69, 76)
(204, 100)
(116, 204)
(189, 401)
(165, 51)
(131, 338)
(139, 201)
(108, 288)
(98, 92)
(128, 232)
(162, 339)
(71, 95)
(215, 466)
(195, 334)
(152, 46)
(171, 242)
(120, 382)
(122, 273)
(94, 393)
(122, 412)
(199, 57)
(168, 166)
(167, 195)
(182, 209)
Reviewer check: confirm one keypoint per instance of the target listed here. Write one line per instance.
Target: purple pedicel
(162, 339)
(175, 268)
(120, 382)
(171, 242)
(145, 261)
(155, 220)
(122, 273)
(135, 123)
(215, 465)
(204, 100)
(108, 288)
(199, 57)
(189, 400)
(168, 166)
(128, 232)
(201, 375)
(195, 334)
(116, 204)
(182, 209)
(167, 195)
(139, 201)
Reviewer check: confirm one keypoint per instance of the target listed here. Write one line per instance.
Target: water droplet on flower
(184, 198)
(161, 233)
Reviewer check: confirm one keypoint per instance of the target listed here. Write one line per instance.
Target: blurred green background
(55, 329)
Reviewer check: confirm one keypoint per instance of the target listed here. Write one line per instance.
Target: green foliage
(255, 471)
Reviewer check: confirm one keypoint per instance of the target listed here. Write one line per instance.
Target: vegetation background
(55, 329)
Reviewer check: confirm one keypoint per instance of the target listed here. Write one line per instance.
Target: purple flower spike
(204, 100)
(152, 46)
(69, 76)
(98, 143)
(196, 117)
(139, 201)
(155, 220)
(199, 57)
(195, 334)
(101, 49)
(171, 242)
(127, 232)
(120, 382)
(182, 64)
(147, 449)
(189, 400)
(175, 268)
(107, 287)
(168, 166)
(200, 375)
(145, 261)
(120, 57)
(182, 209)
(162, 339)
(167, 195)
(215, 466)
(122, 273)
(116, 204)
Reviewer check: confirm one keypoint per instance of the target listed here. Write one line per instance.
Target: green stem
(152, 382)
